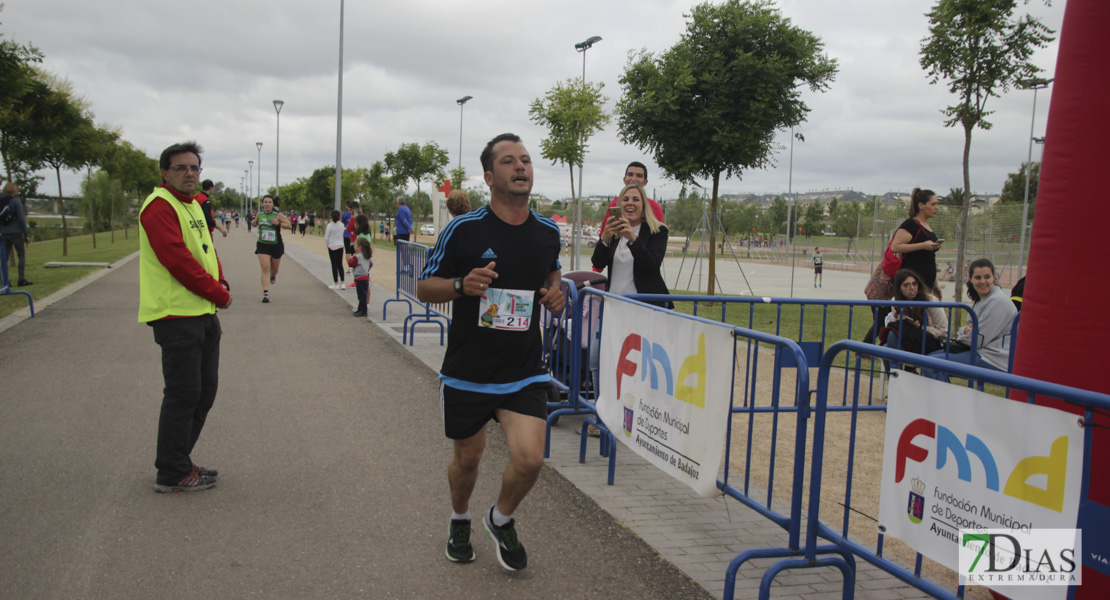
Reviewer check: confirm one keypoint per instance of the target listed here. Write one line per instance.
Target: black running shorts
(274, 250)
(466, 413)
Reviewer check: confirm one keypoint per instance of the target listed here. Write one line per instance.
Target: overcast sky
(208, 70)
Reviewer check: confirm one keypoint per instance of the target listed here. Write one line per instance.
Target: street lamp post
(1033, 84)
(339, 120)
(581, 47)
(789, 225)
(258, 191)
(250, 183)
(277, 151)
(461, 102)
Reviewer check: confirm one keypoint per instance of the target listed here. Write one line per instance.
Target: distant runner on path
(818, 264)
(270, 247)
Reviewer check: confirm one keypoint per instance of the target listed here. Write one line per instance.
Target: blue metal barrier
(814, 342)
(411, 259)
(746, 492)
(6, 284)
(837, 548)
(840, 534)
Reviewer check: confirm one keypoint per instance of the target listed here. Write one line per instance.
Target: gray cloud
(209, 70)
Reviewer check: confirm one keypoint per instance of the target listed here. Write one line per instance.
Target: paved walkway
(332, 465)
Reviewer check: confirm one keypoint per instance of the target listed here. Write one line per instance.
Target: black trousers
(190, 367)
(336, 257)
(14, 241)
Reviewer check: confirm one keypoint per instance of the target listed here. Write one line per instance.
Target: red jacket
(163, 231)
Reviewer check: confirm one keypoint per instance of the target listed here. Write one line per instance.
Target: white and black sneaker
(510, 552)
(459, 548)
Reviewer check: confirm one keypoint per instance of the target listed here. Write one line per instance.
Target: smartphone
(614, 212)
(940, 240)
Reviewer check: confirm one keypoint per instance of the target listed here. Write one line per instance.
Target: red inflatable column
(1064, 335)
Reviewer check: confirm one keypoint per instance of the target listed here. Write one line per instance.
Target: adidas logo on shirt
(489, 254)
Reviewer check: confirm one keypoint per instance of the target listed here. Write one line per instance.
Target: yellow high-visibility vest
(160, 293)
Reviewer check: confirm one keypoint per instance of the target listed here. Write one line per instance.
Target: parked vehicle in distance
(427, 229)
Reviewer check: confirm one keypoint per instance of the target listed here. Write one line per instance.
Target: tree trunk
(112, 214)
(62, 201)
(92, 211)
(573, 230)
(713, 234)
(960, 251)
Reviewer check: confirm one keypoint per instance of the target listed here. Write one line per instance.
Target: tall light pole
(461, 102)
(581, 47)
(789, 225)
(1034, 84)
(250, 183)
(339, 120)
(258, 191)
(277, 151)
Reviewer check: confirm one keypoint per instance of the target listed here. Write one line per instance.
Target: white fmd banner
(665, 389)
(956, 458)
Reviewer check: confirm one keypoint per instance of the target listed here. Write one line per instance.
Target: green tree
(739, 218)
(1013, 190)
(711, 105)
(136, 172)
(416, 162)
(319, 190)
(981, 49)
(95, 145)
(572, 112)
(847, 221)
(815, 219)
(101, 192)
(20, 96)
(954, 198)
(421, 205)
(457, 177)
(57, 140)
(685, 216)
(379, 190)
(777, 213)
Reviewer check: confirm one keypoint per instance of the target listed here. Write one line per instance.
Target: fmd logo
(1053, 467)
(654, 359)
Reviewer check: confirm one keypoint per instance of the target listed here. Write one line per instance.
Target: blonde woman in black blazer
(632, 247)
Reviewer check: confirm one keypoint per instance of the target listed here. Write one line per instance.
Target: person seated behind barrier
(996, 314)
(632, 248)
(458, 203)
(903, 325)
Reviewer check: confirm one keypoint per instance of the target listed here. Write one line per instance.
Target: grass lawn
(47, 281)
(787, 320)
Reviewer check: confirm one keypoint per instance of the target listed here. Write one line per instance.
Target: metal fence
(783, 428)
(411, 260)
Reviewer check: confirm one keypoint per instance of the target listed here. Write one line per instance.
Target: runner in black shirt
(496, 264)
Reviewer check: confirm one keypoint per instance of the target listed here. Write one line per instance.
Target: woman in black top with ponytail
(917, 243)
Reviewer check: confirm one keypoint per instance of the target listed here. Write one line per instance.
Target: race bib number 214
(509, 310)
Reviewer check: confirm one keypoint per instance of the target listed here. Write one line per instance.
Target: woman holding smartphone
(917, 243)
(632, 247)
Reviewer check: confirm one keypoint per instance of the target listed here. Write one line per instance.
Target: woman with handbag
(915, 241)
(914, 328)
(914, 246)
(995, 313)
